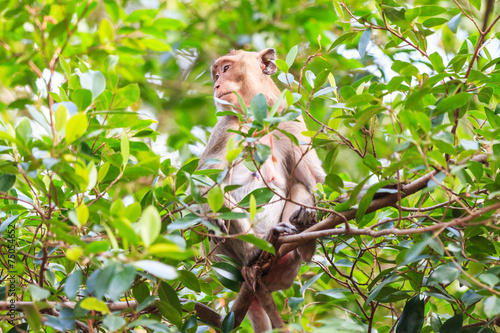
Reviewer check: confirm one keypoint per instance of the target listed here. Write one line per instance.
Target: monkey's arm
(305, 164)
(214, 155)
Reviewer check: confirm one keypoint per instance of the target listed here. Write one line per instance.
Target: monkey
(291, 171)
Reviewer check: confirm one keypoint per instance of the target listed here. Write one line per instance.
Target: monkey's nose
(217, 86)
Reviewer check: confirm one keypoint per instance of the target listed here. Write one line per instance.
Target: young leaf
(125, 149)
(92, 303)
(61, 116)
(290, 57)
(76, 127)
(149, 225)
(215, 198)
(253, 208)
(126, 96)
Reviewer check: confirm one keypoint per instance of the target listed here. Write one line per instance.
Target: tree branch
(292, 242)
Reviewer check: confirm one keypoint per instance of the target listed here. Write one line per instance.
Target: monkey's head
(247, 73)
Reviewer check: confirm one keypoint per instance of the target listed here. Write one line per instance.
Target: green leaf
(359, 100)
(371, 162)
(292, 54)
(452, 102)
(436, 323)
(431, 10)
(309, 283)
(157, 45)
(282, 65)
(159, 269)
(168, 295)
(126, 96)
(477, 169)
(345, 37)
(262, 196)
(453, 325)
(228, 323)
(259, 242)
(103, 171)
(364, 116)
(113, 323)
(189, 280)
(476, 3)
(444, 274)
(412, 317)
(149, 225)
(72, 284)
(141, 292)
(82, 98)
(396, 16)
(169, 313)
(64, 65)
(276, 104)
(228, 275)
(61, 116)
(321, 78)
(76, 128)
(38, 293)
(82, 213)
(437, 62)
(435, 21)
(368, 198)
(491, 306)
(253, 208)
(413, 253)
(215, 198)
(33, 317)
(363, 42)
(23, 130)
(6, 182)
(125, 149)
(259, 108)
(93, 81)
(92, 303)
(121, 282)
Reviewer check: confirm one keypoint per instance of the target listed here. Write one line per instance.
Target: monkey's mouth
(224, 94)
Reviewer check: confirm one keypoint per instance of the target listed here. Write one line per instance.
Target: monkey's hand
(303, 218)
(253, 272)
(280, 229)
(221, 225)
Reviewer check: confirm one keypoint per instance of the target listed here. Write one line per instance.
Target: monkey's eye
(216, 77)
(226, 68)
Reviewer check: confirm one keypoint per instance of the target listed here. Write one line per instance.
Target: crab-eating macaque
(291, 172)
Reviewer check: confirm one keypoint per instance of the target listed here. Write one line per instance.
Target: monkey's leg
(241, 304)
(208, 314)
(258, 317)
(300, 217)
(267, 303)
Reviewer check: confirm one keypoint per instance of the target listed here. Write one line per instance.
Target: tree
(104, 111)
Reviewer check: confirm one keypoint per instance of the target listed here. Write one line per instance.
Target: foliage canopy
(104, 111)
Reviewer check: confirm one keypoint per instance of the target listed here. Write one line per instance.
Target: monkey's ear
(267, 58)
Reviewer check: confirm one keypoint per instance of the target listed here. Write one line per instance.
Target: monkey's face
(246, 73)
